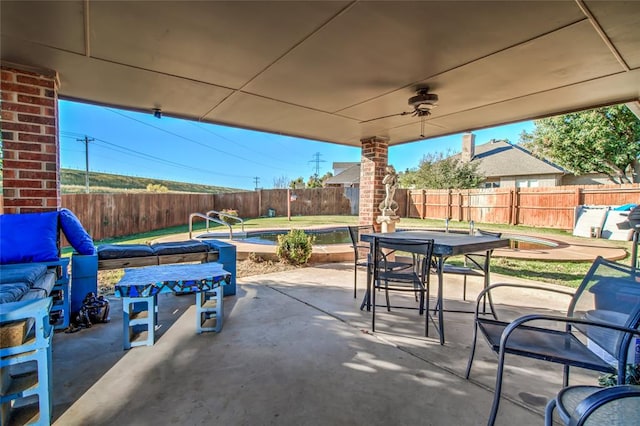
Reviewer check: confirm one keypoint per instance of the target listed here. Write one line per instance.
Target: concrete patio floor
(296, 350)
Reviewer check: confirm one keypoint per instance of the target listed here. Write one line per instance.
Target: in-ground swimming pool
(340, 235)
(325, 236)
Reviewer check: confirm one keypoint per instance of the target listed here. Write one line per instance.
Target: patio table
(445, 244)
(139, 288)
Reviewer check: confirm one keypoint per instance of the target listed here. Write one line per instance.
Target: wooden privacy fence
(549, 207)
(113, 215)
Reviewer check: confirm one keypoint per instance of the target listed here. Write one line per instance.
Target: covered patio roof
(318, 69)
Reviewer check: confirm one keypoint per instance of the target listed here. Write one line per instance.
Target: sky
(138, 144)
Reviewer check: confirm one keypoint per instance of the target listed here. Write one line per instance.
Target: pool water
(340, 235)
(322, 236)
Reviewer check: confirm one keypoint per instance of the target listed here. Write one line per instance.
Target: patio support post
(30, 144)
(375, 153)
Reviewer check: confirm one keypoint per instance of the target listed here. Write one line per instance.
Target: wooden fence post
(516, 204)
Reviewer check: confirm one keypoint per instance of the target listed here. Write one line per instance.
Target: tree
(297, 183)
(602, 140)
(318, 182)
(281, 182)
(314, 182)
(439, 172)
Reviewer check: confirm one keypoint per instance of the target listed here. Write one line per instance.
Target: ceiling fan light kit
(422, 104)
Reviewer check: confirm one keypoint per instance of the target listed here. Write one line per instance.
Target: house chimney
(468, 147)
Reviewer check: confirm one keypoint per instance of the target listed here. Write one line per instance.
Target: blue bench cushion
(12, 292)
(79, 239)
(123, 251)
(26, 273)
(180, 247)
(29, 237)
(18, 279)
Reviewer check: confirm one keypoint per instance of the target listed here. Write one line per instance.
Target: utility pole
(256, 180)
(86, 141)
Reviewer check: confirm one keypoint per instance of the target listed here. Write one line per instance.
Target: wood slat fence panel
(551, 207)
(114, 215)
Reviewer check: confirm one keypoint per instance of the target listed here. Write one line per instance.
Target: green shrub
(632, 376)
(230, 212)
(295, 247)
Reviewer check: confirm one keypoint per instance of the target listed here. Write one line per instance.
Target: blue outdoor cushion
(12, 292)
(180, 247)
(75, 233)
(26, 273)
(29, 237)
(123, 251)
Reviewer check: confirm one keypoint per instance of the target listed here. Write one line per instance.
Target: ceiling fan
(422, 104)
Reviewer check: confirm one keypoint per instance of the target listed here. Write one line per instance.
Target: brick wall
(30, 147)
(374, 160)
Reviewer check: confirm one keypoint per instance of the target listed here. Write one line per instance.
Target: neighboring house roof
(339, 167)
(349, 176)
(500, 158)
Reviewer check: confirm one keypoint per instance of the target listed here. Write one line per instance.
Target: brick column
(30, 147)
(375, 153)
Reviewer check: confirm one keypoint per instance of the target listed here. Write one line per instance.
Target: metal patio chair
(593, 405)
(361, 255)
(413, 279)
(360, 252)
(604, 310)
(475, 264)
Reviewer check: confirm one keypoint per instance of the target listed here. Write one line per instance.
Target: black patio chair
(605, 309)
(475, 264)
(414, 279)
(593, 405)
(361, 256)
(360, 252)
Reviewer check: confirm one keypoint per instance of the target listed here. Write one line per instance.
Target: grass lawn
(564, 273)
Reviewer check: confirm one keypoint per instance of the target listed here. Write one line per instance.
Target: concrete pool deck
(567, 248)
(297, 350)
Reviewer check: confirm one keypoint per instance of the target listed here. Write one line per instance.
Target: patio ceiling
(317, 69)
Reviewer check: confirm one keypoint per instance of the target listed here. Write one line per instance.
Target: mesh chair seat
(593, 405)
(461, 270)
(545, 344)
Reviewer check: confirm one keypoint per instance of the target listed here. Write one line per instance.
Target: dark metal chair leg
(355, 280)
(548, 412)
(473, 350)
(496, 396)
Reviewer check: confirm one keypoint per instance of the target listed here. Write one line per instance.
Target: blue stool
(139, 314)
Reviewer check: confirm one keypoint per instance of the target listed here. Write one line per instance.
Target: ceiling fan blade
(387, 116)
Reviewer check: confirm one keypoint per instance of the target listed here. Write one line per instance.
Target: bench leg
(139, 314)
(209, 308)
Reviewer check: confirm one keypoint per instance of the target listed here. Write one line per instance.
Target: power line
(256, 181)
(191, 140)
(134, 153)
